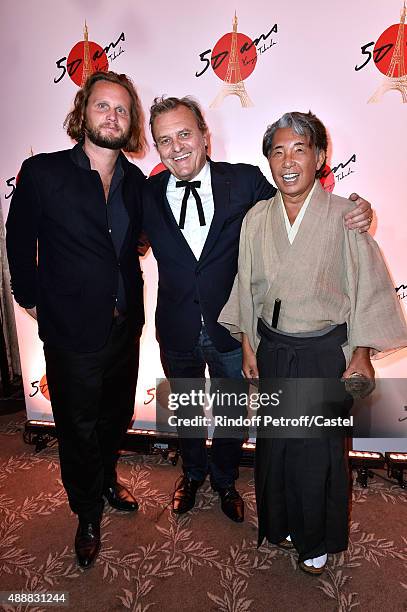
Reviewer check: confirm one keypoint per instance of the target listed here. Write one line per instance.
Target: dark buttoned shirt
(117, 218)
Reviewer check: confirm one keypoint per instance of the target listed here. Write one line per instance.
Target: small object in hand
(359, 386)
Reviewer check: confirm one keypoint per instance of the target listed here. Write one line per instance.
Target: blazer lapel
(127, 189)
(128, 194)
(172, 229)
(221, 198)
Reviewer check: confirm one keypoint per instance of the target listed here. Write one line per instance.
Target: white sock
(288, 538)
(318, 562)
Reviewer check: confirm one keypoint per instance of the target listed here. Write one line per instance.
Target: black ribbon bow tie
(190, 186)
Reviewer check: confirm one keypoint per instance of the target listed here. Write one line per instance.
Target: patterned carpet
(201, 561)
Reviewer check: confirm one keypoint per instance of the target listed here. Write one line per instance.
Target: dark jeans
(225, 452)
(92, 398)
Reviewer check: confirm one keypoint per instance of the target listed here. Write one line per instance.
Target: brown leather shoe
(285, 544)
(87, 543)
(232, 504)
(184, 495)
(120, 498)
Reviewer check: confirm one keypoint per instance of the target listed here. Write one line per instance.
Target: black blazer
(59, 205)
(187, 288)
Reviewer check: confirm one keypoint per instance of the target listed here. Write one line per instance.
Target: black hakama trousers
(302, 485)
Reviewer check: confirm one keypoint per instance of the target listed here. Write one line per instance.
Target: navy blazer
(60, 206)
(189, 289)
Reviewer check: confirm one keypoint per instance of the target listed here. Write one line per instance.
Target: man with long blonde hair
(80, 210)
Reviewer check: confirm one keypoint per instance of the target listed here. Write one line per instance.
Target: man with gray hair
(304, 125)
(193, 213)
(338, 306)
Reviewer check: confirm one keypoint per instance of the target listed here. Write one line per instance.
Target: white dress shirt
(194, 234)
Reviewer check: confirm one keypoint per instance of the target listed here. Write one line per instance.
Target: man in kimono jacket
(337, 303)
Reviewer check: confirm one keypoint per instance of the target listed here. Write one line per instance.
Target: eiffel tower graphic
(233, 83)
(393, 81)
(87, 66)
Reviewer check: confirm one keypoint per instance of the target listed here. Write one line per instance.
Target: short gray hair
(163, 105)
(303, 124)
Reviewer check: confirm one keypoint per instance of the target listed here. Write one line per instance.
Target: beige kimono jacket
(327, 276)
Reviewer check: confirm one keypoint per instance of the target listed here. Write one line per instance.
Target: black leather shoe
(120, 498)
(87, 543)
(232, 504)
(183, 499)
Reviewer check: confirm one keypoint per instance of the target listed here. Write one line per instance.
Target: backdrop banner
(247, 64)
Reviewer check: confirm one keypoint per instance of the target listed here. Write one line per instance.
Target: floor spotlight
(396, 464)
(40, 434)
(363, 462)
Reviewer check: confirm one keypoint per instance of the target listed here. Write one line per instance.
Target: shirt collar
(204, 175)
(292, 229)
(82, 160)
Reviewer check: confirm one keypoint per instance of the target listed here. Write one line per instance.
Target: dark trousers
(225, 452)
(302, 484)
(92, 398)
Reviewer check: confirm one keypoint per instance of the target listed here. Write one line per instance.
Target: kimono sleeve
(239, 313)
(376, 317)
